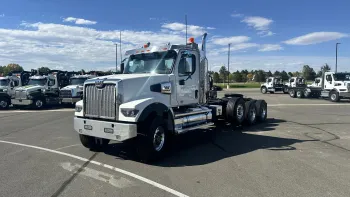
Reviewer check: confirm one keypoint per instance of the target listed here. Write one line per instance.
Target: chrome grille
(100, 102)
(66, 93)
(21, 94)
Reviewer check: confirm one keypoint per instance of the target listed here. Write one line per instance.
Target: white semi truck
(272, 85)
(163, 91)
(333, 86)
(8, 85)
(42, 90)
(74, 91)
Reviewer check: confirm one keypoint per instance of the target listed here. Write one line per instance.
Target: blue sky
(270, 34)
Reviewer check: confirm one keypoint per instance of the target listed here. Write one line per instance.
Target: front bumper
(104, 129)
(344, 94)
(70, 100)
(21, 102)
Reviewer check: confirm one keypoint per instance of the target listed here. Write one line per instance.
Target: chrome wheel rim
(298, 94)
(263, 112)
(3, 104)
(240, 111)
(333, 97)
(39, 103)
(158, 138)
(252, 114)
(264, 90)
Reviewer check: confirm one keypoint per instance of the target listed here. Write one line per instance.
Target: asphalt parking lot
(302, 150)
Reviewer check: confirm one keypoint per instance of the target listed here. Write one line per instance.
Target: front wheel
(4, 103)
(93, 143)
(153, 141)
(334, 96)
(39, 103)
(263, 90)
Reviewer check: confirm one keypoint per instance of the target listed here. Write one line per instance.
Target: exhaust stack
(203, 72)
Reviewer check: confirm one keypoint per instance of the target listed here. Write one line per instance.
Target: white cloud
(232, 40)
(242, 46)
(191, 29)
(315, 38)
(79, 21)
(260, 24)
(270, 47)
(2, 15)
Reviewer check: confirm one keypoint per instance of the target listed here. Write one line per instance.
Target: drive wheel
(306, 93)
(4, 103)
(153, 141)
(292, 93)
(250, 112)
(93, 143)
(285, 90)
(300, 94)
(261, 108)
(334, 96)
(263, 90)
(235, 110)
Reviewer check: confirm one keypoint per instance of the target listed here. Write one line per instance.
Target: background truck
(296, 86)
(163, 91)
(272, 85)
(74, 91)
(42, 90)
(8, 85)
(331, 85)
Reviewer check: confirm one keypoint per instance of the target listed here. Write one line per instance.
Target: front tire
(263, 90)
(4, 103)
(93, 143)
(39, 103)
(153, 141)
(334, 96)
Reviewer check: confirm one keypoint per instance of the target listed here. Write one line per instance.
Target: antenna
(186, 27)
(120, 47)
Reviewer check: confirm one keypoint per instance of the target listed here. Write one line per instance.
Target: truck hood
(30, 88)
(137, 86)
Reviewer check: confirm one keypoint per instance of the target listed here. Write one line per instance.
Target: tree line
(260, 75)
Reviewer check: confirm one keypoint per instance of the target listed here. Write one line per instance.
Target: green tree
(296, 74)
(284, 75)
(277, 73)
(290, 74)
(223, 73)
(11, 68)
(237, 76)
(260, 76)
(269, 74)
(44, 69)
(324, 68)
(216, 77)
(308, 72)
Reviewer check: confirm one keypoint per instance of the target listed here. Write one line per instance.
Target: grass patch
(240, 85)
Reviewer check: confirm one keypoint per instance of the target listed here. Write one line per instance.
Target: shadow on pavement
(199, 148)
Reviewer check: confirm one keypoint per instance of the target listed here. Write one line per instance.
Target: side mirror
(122, 68)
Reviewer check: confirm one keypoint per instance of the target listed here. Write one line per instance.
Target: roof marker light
(191, 40)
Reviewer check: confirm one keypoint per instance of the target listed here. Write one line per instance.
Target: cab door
(187, 77)
(328, 84)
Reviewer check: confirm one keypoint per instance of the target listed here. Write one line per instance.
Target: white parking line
(310, 104)
(36, 111)
(143, 179)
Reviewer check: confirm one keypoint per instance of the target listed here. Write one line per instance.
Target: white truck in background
(163, 91)
(74, 91)
(9, 83)
(272, 85)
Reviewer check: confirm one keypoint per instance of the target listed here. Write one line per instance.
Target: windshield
(40, 82)
(278, 81)
(300, 81)
(157, 62)
(77, 81)
(342, 77)
(4, 82)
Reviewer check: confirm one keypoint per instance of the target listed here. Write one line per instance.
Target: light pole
(116, 58)
(336, 56)
(228, 66)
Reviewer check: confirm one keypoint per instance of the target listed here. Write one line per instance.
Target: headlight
(129, 112)
(78, 108)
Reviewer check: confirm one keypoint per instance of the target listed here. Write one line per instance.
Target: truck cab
(162, 91)
(336, 86)
(272, 85)
(8, 86)
(296, 82)
(74, 91)
(316, 83)
(42, 90)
